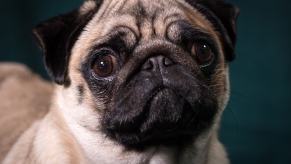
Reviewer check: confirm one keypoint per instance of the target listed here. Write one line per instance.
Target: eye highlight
(203, 54)
(105, 64)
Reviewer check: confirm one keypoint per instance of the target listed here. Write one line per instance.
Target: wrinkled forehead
(145, 17)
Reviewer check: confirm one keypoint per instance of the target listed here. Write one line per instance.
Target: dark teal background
(256, 127)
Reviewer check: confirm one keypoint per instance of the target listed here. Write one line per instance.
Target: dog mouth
(167, 113)
(166, 118)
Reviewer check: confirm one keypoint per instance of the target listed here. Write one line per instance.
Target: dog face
(149, 72)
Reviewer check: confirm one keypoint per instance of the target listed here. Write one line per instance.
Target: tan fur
(24, 99)
(87, 6)
(67, 134)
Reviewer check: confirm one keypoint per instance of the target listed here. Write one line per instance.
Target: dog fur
(25, 98)
(71, 132)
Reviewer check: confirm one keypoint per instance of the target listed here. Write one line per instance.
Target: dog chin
(166, 118)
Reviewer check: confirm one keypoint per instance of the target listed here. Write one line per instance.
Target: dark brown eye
(104, 65)
(203, 54)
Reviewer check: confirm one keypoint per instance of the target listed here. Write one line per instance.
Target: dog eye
(203, 54)
(104, 65)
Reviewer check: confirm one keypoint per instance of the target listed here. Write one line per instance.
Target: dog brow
(171, 17)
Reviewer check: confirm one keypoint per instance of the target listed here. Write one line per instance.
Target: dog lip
(154, 93)
(143, 117)
(171, 134)
(162, 114)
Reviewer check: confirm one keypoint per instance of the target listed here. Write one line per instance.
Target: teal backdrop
(256, 126)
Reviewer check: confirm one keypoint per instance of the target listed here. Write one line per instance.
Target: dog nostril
(148, 65)
(156, 62)
(167, 62)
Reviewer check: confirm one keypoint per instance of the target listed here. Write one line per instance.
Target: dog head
(142, 72)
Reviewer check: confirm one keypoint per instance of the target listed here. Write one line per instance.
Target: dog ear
(223, 16)
(57, 36)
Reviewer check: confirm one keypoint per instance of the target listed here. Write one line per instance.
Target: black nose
(157, 63)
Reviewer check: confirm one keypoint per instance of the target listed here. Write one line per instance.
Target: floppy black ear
(223, 16)
(56, 38)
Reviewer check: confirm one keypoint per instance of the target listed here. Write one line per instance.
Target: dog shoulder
(21, 152)
(24, 98)
(8, 70)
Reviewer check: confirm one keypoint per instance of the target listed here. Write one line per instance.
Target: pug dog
(137, 82)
